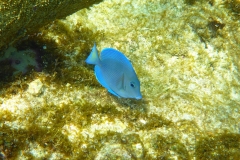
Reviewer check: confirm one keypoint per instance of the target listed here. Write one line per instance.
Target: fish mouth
(139, 97)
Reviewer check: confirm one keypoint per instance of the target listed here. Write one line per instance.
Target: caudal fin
(93, 58)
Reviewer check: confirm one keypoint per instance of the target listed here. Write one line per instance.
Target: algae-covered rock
(185, 54)
(19, 18)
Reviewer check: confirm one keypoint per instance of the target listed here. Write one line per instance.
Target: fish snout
(139, 97)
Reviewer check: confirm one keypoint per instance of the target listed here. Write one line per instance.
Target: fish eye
(132, 84)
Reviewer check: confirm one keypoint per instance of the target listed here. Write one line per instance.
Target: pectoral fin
(120, 82)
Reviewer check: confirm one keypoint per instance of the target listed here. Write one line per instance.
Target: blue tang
(115, 72)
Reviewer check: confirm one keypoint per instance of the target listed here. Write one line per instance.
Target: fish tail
(93, 58)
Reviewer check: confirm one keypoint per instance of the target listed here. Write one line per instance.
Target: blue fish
(115, 72)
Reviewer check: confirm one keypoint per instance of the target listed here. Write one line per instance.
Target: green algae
(154, 127)
(223, 146)
(233, 6)
(12, 140)
(164, 145)
(192, 2)
(53, 139)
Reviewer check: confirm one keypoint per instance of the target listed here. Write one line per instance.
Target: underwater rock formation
(19, 18)
(185, 54)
